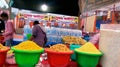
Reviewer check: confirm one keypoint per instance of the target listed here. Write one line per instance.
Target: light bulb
(44, 7)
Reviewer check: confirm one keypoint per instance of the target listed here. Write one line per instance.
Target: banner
(56, 18)
(90, 24)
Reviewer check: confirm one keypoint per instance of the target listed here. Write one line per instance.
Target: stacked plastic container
(56, 34)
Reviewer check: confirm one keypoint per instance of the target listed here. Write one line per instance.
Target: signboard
(71, 19)
(35, 16)
(54, 18)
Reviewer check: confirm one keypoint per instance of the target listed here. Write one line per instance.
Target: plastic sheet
(110, 45)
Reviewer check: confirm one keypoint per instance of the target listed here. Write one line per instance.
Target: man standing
(9, 29)
(38, 34)
(2, 29)
(2, 25)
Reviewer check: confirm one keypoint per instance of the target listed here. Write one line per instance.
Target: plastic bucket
(3, 54)
(29, 36)
(58, 59)
(84, 58)
(72, 47)
(25, 58)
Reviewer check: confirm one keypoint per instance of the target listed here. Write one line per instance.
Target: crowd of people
(7, 31)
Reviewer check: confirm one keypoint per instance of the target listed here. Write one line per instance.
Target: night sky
(65, 7)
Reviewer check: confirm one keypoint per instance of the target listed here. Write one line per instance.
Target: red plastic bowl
(11, 65)
(72, 64)
(58, 59)
(3, 54)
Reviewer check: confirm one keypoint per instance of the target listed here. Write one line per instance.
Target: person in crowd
(2, 29)
(38, 34)
(2, 24)
(95, 40)
(9, 29)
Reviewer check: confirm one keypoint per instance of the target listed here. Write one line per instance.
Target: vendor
(95, 39)
(38, 34)
(9, 29)
(2, 24)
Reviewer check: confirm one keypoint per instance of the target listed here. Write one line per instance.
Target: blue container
(50, 44)
(87, 38)
(16, 43)
(72, 47)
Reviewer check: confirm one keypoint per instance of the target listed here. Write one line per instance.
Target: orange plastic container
(3, 54)
(58, 59)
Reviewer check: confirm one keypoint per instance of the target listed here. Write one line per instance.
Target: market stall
(67, 46)
(104, 24)
(55, 25)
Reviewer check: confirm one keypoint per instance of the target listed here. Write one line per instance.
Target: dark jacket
(2, 25)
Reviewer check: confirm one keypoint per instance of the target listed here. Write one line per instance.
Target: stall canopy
(91, 5)
(3, 4)
(100, 9)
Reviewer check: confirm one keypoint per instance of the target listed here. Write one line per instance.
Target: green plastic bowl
(25, 58)
(86, 59)
(72, 47)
